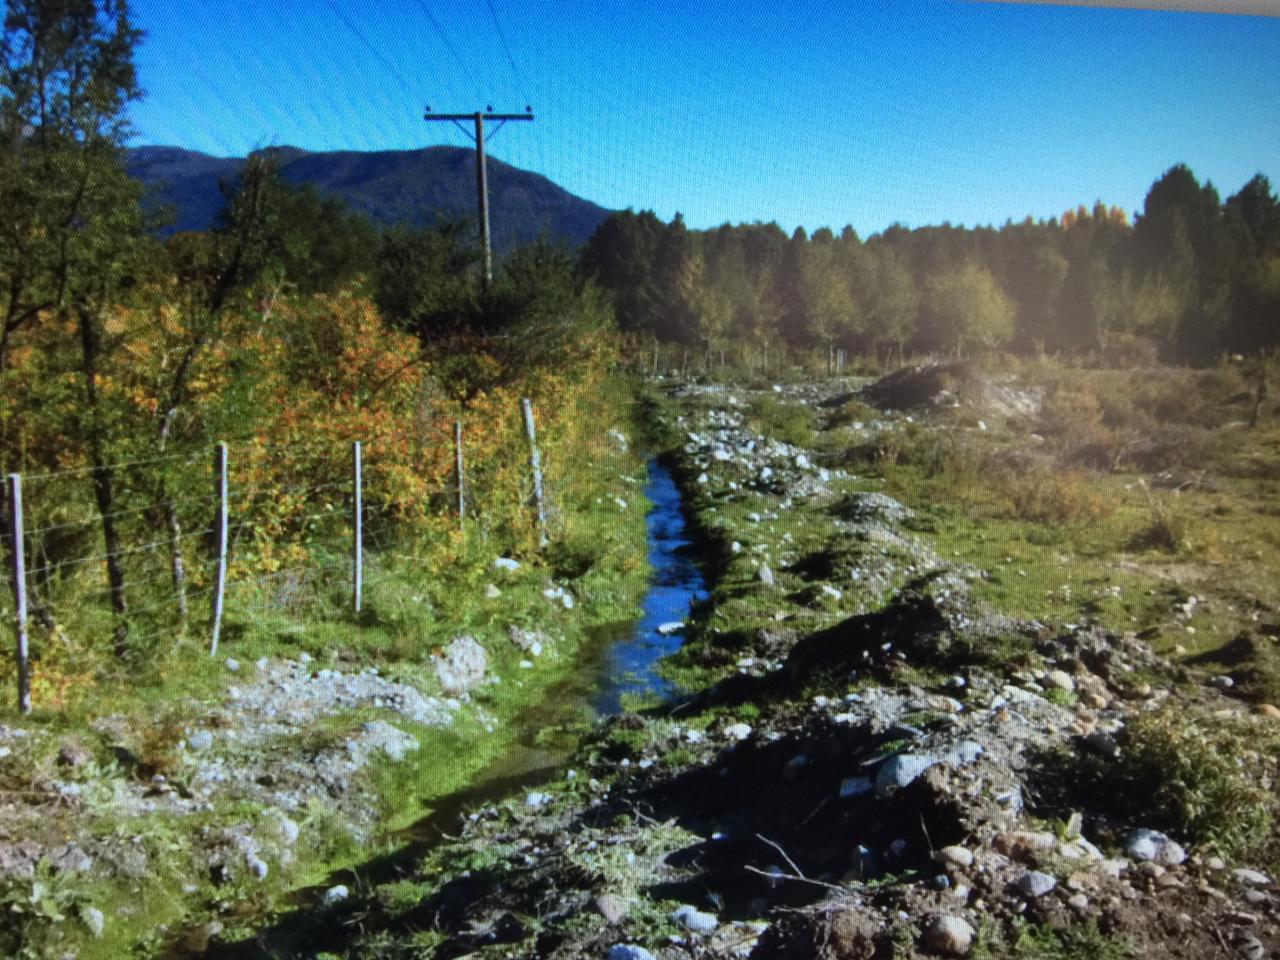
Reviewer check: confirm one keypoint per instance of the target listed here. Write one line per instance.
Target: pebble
(900, 770)
(948, 936)
(1078, 902)
(630, 951)
(1250, 878)
(693, 919)
(1034, 884)
(94, 919)
(200, 740)
(613, 908)
(955, 856)
(1145, 844)
(1059, 680)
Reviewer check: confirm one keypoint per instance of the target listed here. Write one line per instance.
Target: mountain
(389, 186)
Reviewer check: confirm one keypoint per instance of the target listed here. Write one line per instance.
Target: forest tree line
(1193, 277)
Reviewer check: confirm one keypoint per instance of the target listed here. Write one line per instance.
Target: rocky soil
(883, 767)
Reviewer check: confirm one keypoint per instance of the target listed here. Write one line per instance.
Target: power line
(506, 48)
(387, 64)
(445, 39)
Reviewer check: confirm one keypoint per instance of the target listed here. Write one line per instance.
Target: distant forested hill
(389, 186)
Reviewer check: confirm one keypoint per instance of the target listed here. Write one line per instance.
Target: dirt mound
(932, 384)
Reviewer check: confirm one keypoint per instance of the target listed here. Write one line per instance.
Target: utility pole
(482, 176)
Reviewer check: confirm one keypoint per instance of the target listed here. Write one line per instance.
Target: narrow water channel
(617, 660)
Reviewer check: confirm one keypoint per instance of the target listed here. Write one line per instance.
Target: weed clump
(788, 422)
(1178, 774)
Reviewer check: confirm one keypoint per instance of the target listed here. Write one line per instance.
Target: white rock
(1033, 884)
(1153, 845)
(948, 936)
(955, 856)
(491, 592)
(667, 629)
(199, 740)
(738, 731)
(765, 575)
(94, 919)
(1250, 878)
(694, 920)
(1059, 680)
(462, 666)
(335, 894)
(506, 563)
(629, 951)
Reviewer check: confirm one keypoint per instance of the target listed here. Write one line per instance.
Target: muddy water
(617, 660)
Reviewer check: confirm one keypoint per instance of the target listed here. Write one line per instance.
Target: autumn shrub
(1072, 414)
(1043, 495)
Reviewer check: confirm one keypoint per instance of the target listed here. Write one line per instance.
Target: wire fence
(259, 528)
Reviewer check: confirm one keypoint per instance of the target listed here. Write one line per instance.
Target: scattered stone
(491, 591)
(1250, 878)
(1250, 947)
(693, 919)
(765, 575)
(955, 856)
(233, 665)
(630, 951)
(94, 920)
(947, 936)
(1059, 680)
(1034, 884)
(613, 908)
(1222, 682)
(462, 666)
(257, 866)
(335, 894)
(738, 731)
(900, 770)
(199, 740)
(73, 754)
(1145, 844)
(673, 627)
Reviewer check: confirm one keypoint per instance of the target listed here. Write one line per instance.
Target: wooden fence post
(535, 465)
(458, 474)
(220, 586)
(357, 529)
(19, 592)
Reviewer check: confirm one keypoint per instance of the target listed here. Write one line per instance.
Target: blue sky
(810, 114)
